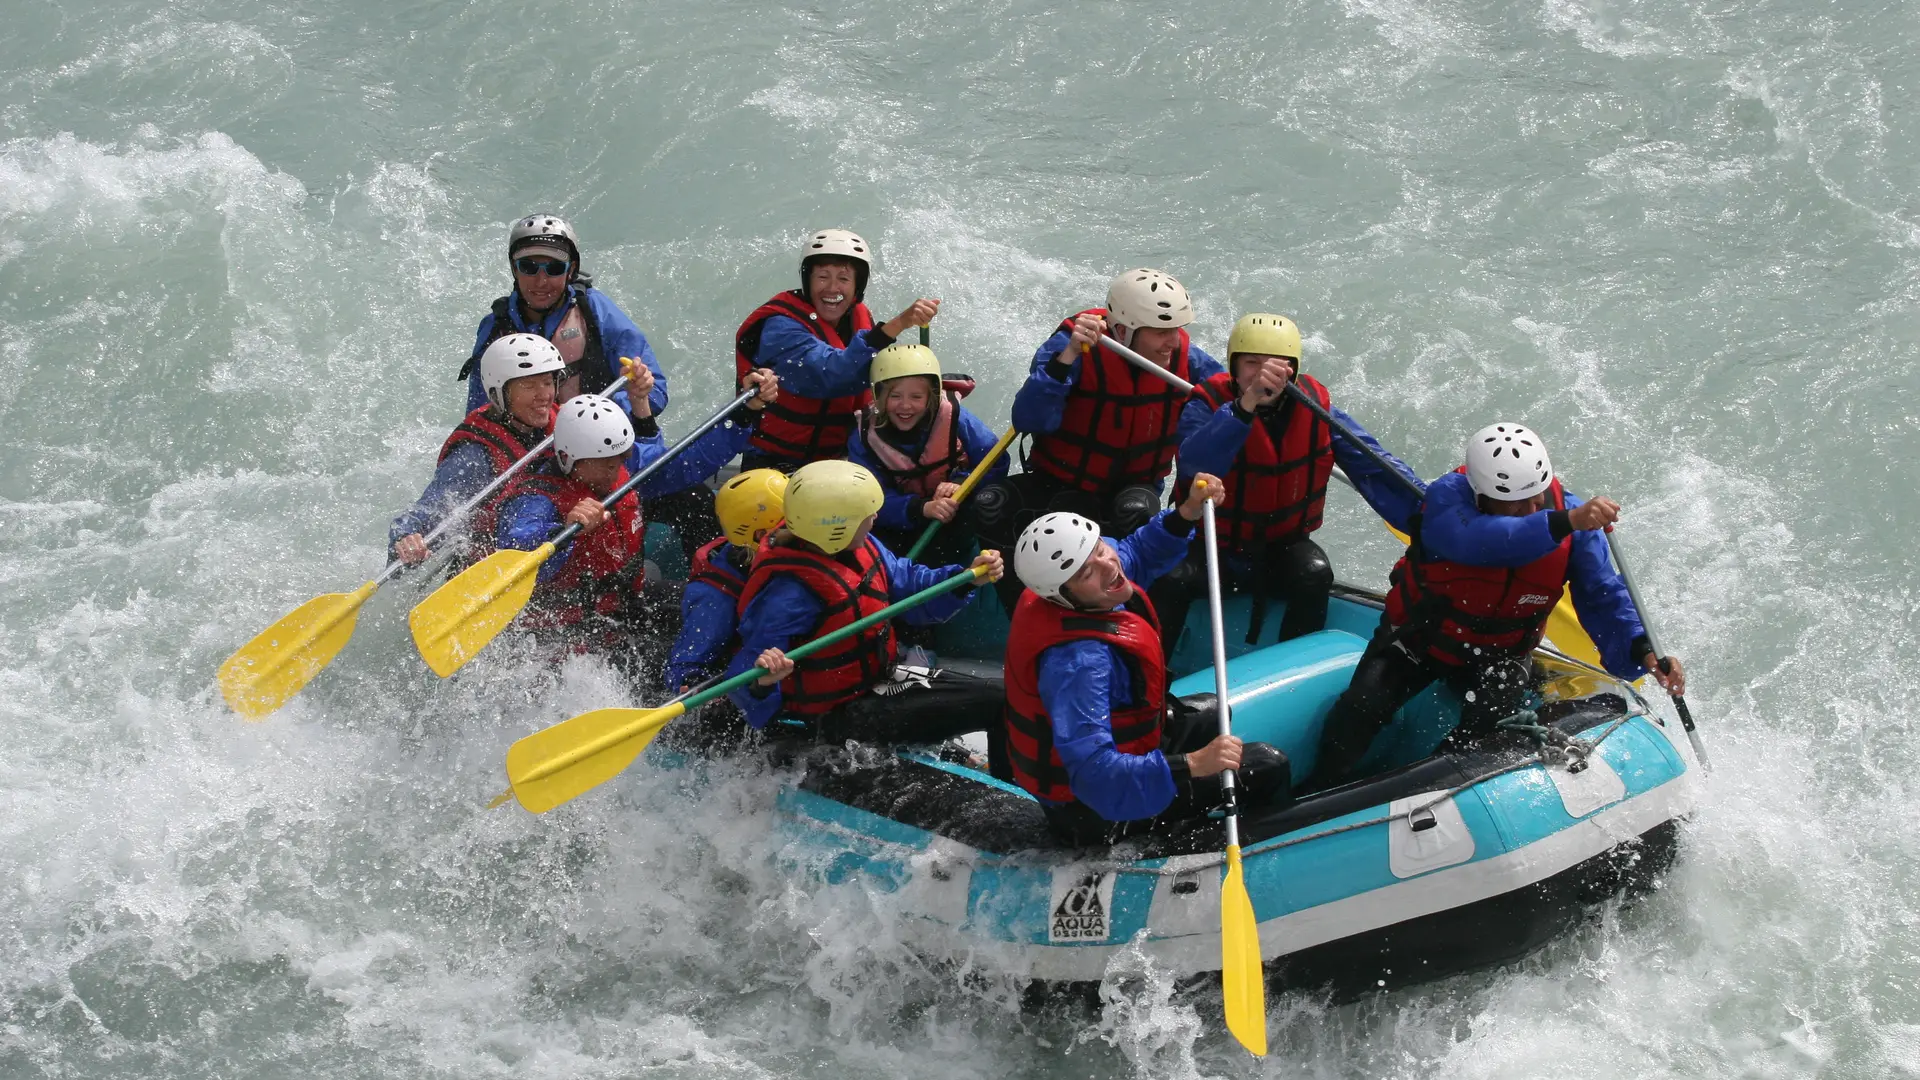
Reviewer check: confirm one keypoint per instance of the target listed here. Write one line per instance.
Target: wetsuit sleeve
(697, 463)
(1453, 528)
(780, 616)
(906, 578)
(1601, 599)
(1077, 688)
(1042, 399)
(1152, 550)
(896, 512)
(978, 439)
(1210, 439)
(458, 478)
(708, 619)
(811, 367)
(620, 337)
(1388, 497)
(476, 392)
(1200, 365)
(527, 522)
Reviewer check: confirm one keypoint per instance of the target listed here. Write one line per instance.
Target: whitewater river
(244, 245)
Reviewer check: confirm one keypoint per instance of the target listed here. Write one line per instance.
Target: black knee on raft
(1265, 773)
(1132, 508)
(1306, 568)
(996, 514)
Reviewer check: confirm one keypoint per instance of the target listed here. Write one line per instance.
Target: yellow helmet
(751, 505)
(827, 500)
(899, 360)
(1267, 335)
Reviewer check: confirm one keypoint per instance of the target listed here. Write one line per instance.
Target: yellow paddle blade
(1242, 979)
(456, 622)
(262, 674)
(1563, 625)
(575, 756)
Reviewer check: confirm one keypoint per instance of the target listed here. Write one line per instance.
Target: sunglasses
(549, 267)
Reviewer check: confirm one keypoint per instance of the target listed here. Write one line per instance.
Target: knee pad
(1306, 564)
(1132, 508)
(1264, 771)
(996, 514)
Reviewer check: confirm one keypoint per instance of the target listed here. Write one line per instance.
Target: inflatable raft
(1437, 862)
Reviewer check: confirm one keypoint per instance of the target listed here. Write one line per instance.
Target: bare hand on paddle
(587, 514)
(991, 560)
(777, 665)
(766, 382)
(1221, 754)
(1673, 680)
(411, 549)
(1266, 386)
(639, 387)
(1206, 488)
(1086, 333)
(1594, 514)
(942, 506)
(918, 313)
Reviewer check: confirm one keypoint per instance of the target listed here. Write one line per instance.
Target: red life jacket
(801, 429)
(712, 568)
(604, 569)
(1039, 625)
(852, 585)
(1276, 490)
(1121, 425)
(941, 454)
(504, 444)
(1462, 614)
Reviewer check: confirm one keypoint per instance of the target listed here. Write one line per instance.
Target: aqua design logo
(1081, 906)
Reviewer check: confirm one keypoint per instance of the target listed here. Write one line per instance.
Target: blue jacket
(811, 367)
(618, 337)
(457, 478)
(784, 611)
(1210, 440)
(1042, 399)
(901, 510)
(1453, 528)
(527, 521)
(708, 619)
(1082, 682)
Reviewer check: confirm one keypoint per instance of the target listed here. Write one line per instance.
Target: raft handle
(1182, 888)
(1421, 820)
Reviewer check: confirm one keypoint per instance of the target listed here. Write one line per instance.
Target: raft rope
(1550, 752)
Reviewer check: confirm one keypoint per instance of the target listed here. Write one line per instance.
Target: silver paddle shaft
(1219, 659)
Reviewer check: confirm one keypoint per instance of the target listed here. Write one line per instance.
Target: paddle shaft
(651, 718)
(1220, 663)
(1410, 486)
(566, 535)
(1146, 365)
(460, 513)
(966, 488)
(1646, 624)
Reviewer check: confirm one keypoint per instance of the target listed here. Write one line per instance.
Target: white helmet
(1142, 298)
(590, 426)
(512, 357)
(1053, 549)
(838, 244)
(544, 231)
(1508, 463)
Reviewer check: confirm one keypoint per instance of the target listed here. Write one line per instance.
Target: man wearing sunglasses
(551, 297)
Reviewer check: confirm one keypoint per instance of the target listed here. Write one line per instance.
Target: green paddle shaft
(958, 581)
(566, 535)
(460, 513)
(926, 337)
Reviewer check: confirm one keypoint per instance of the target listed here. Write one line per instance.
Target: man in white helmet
(819, 339)
(593, 586)
(520, 373)
(1090, 730)
(551, 297)
(1104, 433)
(823, 571)
(1492, 546)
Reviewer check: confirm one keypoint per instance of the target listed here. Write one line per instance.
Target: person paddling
(820, 339)
(553, 298)
(920, 442)
(592, 588)
(1104, 431)
(1492, 546)
(750, 506)
(1090, 730)
(1276, 456)
(823, 571)
(520, 374)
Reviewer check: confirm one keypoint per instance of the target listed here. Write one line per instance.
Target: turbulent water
(244, 245)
